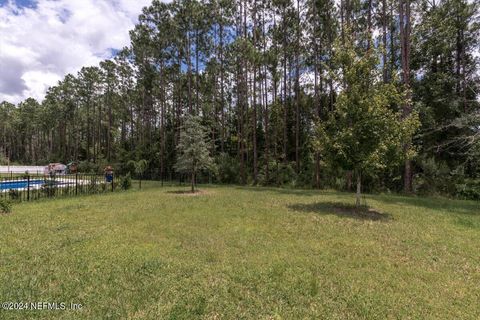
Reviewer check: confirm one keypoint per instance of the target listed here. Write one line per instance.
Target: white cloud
(40, 45)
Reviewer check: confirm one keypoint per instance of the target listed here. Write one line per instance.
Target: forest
(305, 93)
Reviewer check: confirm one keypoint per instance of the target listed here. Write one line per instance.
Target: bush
(3, 159)
(5, 206)
(469, 190)
(93, 185)
(126, 182)
(90, 167)
(286, 174)
(14, 194)
(437, 177)
(228, 169)
(85, 167)
(49, 188)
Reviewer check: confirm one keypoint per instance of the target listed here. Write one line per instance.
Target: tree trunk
(254, 105)
(408, 181)
(369, 25)
(297, 94)
(404, 17)
(265, 101)
(384, 41)
(189, 65)
(285, 137)
(222, 140)
(317, 170)
(348, 175)
(359, 190)
(196, 72)
(193, 181)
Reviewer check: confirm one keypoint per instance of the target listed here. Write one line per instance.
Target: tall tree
(405, 30)
(193, 153)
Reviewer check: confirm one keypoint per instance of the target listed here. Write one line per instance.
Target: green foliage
(293, 248)
(363, 133)
(139, 167)
(469, 190)
(285, 174)
(88, 167)
(94, 185)
(125, 181)
(5, 206)
(49, 188)
(193, 154)
(3, 159)
(228, 168)
(13, 194)
(434, 178)
(258, 89)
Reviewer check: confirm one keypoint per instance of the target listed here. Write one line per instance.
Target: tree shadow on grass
(284, 190)
(434, 204)
(188, 192)
(342, 210)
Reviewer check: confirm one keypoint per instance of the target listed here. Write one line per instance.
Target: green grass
(242, 253)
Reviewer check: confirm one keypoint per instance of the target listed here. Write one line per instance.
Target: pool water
(22, 184)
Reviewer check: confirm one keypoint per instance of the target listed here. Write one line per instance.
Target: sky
(43, 40)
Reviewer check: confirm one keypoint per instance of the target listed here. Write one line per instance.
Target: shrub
(436, 177)
(286, 174)
(3, 159)
(228, 169)
(93, 186)
(469, 190)
(49, 188)
(90, 167)
(279, 174)
(14, 194)
(5, 206)
(126, 182)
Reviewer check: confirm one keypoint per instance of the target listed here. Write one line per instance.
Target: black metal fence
(34, 187)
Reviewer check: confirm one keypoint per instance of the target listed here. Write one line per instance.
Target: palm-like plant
(139, 167)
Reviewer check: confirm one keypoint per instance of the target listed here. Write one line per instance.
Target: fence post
(28, 188)
(76, 183)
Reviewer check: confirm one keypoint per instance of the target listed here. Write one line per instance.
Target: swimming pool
(21, 184)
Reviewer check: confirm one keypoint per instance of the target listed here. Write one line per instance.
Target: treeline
(262, 75)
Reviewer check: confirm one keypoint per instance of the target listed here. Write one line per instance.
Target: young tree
(193, 153)
(139, 166)
(362, 133)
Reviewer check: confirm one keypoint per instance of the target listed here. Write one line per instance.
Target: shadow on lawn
(188, 192)
(341, 210)
(434, 204)
(284, 191)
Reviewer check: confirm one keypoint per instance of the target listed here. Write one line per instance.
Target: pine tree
(192, 151)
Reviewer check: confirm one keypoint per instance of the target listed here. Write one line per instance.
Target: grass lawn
(242, 253)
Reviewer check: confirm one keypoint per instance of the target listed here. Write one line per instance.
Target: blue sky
(21, 3)
(43, 40)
